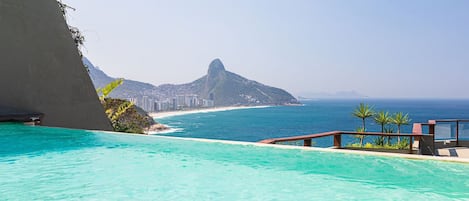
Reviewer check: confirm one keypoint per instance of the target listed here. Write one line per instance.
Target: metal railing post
(431, 127)
(307, 142)
(457, 132)
(410, 144)
(338, 140)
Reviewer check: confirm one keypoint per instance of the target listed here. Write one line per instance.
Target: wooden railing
(307, 139)
(426, 141)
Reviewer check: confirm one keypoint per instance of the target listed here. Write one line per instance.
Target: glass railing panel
(293, 143)
(445, 131)
(316, 142)
(464, 131)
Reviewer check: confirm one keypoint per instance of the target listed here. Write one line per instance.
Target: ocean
(313, 117)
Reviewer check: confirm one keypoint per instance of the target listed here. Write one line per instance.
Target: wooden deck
(460, 152)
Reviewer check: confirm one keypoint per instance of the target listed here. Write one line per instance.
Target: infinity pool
(38, 163)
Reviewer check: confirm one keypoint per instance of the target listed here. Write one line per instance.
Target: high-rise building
(207, 103)
(174, 105)
(191, 101)
(181, 100)
(165, 106)
(145, 102)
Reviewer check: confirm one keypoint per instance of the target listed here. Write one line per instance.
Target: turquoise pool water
(39, 163)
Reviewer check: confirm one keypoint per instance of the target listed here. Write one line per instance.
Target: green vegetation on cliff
(130, 120)
(124, 115)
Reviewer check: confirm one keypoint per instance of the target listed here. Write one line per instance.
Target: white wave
(170, 130)
(160, 115)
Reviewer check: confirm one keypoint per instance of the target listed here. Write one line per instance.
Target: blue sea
(313, 117)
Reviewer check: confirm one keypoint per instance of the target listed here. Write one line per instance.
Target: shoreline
(160, 115)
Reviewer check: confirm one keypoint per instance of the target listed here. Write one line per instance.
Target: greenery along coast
(124, 115)
(387, 122)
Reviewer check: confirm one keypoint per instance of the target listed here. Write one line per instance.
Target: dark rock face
(216, 67)
(133, 120)
(41, 70)
(227, 88)
(224, 87)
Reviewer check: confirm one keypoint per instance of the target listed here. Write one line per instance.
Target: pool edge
(345, 151)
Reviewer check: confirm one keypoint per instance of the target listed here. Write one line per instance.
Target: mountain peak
(215, 67)
(222, 87)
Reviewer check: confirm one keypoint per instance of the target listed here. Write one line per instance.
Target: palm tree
(360, 137)
(400, 119)
(389, 130)
(382, 118)
(363, 111)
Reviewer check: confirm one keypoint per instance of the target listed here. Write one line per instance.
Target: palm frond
(363, 111)
(106, 90)
(400, 118)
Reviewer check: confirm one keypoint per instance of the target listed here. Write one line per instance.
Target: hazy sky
(402, 49)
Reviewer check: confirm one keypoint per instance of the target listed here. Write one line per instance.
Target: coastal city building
(178, 102)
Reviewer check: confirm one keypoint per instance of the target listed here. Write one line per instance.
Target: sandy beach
(159, 115)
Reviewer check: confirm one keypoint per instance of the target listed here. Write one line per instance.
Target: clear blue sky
(380, 48)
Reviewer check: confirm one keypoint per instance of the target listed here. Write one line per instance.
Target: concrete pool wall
(41, 70)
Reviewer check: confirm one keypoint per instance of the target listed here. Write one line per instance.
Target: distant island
(218, 88)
